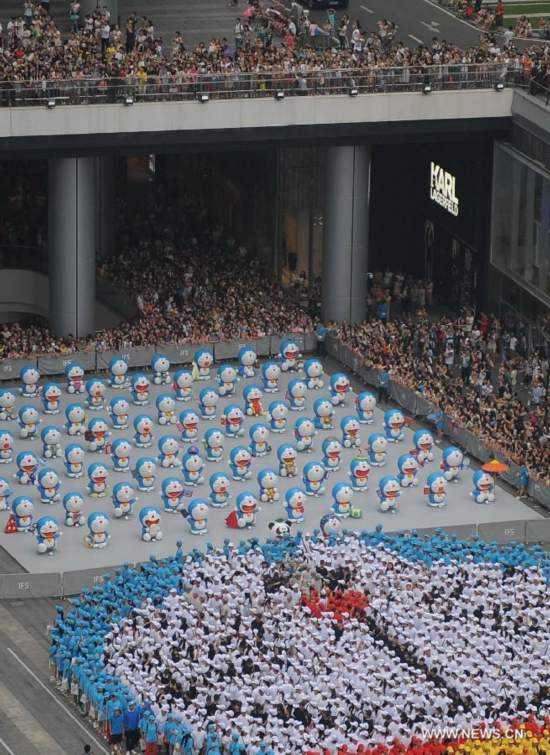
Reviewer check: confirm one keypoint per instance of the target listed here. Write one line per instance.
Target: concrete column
(106, 206)
(345, 250)
(72, 240)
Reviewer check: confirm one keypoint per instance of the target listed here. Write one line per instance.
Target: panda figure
(280, 528)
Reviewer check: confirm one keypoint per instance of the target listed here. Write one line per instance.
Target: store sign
(443, 189)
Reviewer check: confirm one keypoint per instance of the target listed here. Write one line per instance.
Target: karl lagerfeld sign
(443, 189)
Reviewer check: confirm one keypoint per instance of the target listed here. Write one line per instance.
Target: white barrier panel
(263, 346)
(76, 581)
(503, 532)
(9, 368)
(55, 364)
(461, 531)
(136, 357)
(178, 354)
(224, 350)
(17, 586)
(310, 343)
(537, 531)
(298, 339)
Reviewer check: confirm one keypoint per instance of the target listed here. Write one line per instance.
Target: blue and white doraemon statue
(208, 400)
(118, 373)
(48, 484)
(453, 463)
(50, 396)
(145, 474)
(160, 365)
(295, 499)
(74, 461)
(394, 422)
(7, 404)
(203, 361)
(240, 460)
(75, 414)
(342, 495)
(377, 445)
(51, 442)
(436, 490)
(96, 390)
(124, 499)
(388, 493)
(98, 530)
(287, 456)
(169, 449)
(296, 394)
(197, 516)
(213, 444)
(332, 454)
(340, 386)
(423, 446)
(219, 489)
(73, 504)
(277, 411)
(259, 437)
(232, 421)
(74, 376)
(408, 470)
(350, 432)
(47, 535)
(365, 403)
(329, 525)
(182, 385)
(140, 389)
(166, 410)
(271, 373)
(119, 409)
(150, 524)
(247, 361)
(29, 377)
(143, 426)
(314, 474)
(22, 509)
(226, 378)
(98, 476)
(359, 470)
(192, 466)
(27, 465)
(304, 432)
(121, 449)
(267, 480)
(484, 487)
(5, 492)
(252, 395)
(315, 373)
(27, 418)
(172, 495)
(244, 514)
(188, 425)
(324, 413)
(6, 447)
(289, 354)
(97, 434)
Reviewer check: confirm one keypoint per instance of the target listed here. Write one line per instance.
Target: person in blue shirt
(131, 726)
(116, 722)
(523, 479)
(321, 333)
(213, 743)
(383, 386)
(150, 735)
(236, 745)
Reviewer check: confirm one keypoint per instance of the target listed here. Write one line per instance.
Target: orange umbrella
(495, 467)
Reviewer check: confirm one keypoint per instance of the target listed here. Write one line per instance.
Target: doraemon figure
(50, 395)
(252, 395)
(208, 399)
(408, 470)
(365, 403)
(436, 490)
(172, 495)
(197, 516)
(484, 487)
(289, 354)
(29, 381)
(97, 434)
(295, 499)
(73, 503)
(183, 380)
(98, 475)
(204, 359)
(76, 418)
(245, 512)
(22, 509)
(339, 386)
(219, 489)
(193, 467)
(6, 447)
(140, 388)
(267, 480)
(232, 421)
(277, 411)
(394, 421)
(27, 418)
(124, 500)
(98, 526)
(279, 529)
(453, 463)
(296, 394)
(150, 524)
(119, 409)
(304, 432)
(342, 495)
(188, 425)
(324, 412)
(169, 449)
(423, 444)
(359, 470)
(226, 378)
(350, 432)
(5, 492)
(213, 444)
(120, 454)
(51, 442)
(27, 464)
(74, 375)
(240, 460)
(332, 454)
(48, 484)
(259, 434)
(287, 456)
(143, 426)
(95, 389)
(377, 445)
(74, 461)
(145, 474)
(118, 373)
(270, 372)
(329, 524)
(247, 361)
(7, 404)
(47, 535)
(314, 474)
(388, 493)
(166, 410)
(160, 364)
(314, 373)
